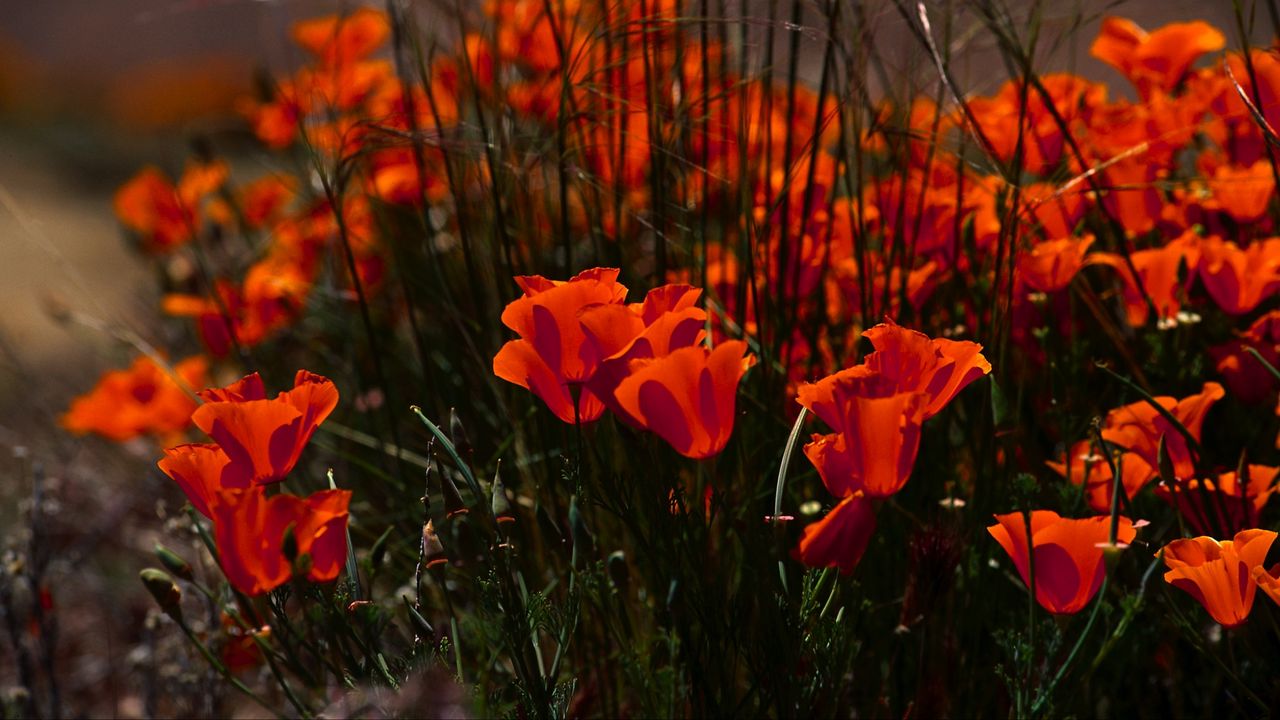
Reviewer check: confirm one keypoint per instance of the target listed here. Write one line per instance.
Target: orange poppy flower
(339, 39)
(876, 408)
(264, 437)
(201, 470)
(1138, 427)
(1050, 266)
(1132, 197)
(1225, 504)
(141, 400)
(1085, 466)
(165, 215)
(264, 199)
(840, 538)
(1219, 575)
(250, 528)
(1160, 272)
(552, 354)
(1239, 280)
(269, 299)
(1068, 554)
(878, 432)
(666, 321)
(1157, 60)
(1243, 192)
(1268, 580)
(1056, 212)
(688, 396)
(938, 367)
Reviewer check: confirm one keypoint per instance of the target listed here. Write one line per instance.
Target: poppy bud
(619, 573)
(453, 504)
(420, 625)
(164, 590)
(174, 563)
(502, 510)
(432, 549)
(583, 541)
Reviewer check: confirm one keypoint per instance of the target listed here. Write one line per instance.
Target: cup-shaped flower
(1229, 503)
(1268, 580)
(1049, 266)
(1138, 427)
(1160, 275)
(552, 354)
(1248, 378)
(1219, 574)
(840, 538)
(938, 367)
(250, 532)
(264, 437)
(338, 39)
(1084, 465)
(1068, 555)
(687, 397)
(201, 470)
(1157, 60)
(1239, 280)
(666, 321)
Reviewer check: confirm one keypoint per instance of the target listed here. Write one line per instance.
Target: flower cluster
(257, 442)
(877, 409)
(645, 361)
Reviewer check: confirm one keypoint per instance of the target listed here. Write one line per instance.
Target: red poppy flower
(1219, 575)
(1068, 555)
(552, 354)
(1226, 503)
(264, 438)
(841, 537)
(141, 400)
(1157, 60)
(1138, 427)
(688, 396)
(250, 529)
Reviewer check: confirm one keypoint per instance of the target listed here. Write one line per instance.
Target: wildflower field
(652, 358)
